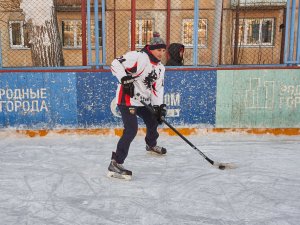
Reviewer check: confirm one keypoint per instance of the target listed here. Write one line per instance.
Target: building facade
(259, 38)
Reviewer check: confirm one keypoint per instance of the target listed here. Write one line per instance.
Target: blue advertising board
(38, 100)
(47, 100)
(96, 92)
(190, 97)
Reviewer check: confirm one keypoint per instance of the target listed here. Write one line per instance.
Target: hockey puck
(222, 167)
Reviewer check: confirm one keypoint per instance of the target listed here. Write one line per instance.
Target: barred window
(188, 29)
(143, 33)
(72, 33)
(18, 34)
(256, 32)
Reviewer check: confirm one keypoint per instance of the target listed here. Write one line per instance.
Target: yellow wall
(12, 57)
(118, 42)
(252, 55)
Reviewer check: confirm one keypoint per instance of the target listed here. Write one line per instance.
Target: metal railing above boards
(89, 34)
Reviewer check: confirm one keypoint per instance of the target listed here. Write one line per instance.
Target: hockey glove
(128, 86)
(160, 112)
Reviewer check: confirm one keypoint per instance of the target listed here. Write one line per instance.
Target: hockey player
(141, 77)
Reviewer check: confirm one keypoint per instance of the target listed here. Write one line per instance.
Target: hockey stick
(221, 166)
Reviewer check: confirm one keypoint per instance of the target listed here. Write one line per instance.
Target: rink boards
(254, 98)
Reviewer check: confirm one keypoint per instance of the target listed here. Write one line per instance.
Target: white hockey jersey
(149, 78)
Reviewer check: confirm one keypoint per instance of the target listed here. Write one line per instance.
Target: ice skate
(118, 171)
(156, 150)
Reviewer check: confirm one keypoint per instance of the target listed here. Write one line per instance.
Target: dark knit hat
(157, 42)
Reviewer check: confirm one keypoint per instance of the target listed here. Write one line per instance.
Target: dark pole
(168, 22)
(221, 28)
(282, 30)
(133, 28)
(115, 38)
(83, 25)
(236, 35)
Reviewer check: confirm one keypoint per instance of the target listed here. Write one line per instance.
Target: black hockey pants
(129, 117)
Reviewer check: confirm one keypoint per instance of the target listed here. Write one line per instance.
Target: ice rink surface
(61, 180)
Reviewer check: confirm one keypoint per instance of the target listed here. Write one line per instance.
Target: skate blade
(119, 176)
(155, 153)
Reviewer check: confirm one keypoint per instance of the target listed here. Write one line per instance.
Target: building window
(18, 34)
(256, 32)
(72, 33)
(188, 29)
(144, 32)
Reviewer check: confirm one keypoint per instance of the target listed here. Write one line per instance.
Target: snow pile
(38, 11)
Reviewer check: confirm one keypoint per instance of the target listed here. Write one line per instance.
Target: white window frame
(140, 41)
(76, 46)
(187, 45)
(22, 45)
(245, 21)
